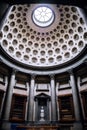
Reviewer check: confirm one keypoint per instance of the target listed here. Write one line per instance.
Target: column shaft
(57, 90)
(9, 96)
(76, 101)
(27, 115)
(6, 83)
(31, 104)
(75, 98)
(53, 99)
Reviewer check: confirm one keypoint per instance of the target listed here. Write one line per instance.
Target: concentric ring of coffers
(38, 46)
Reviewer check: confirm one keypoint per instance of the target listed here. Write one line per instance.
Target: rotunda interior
(43, 65)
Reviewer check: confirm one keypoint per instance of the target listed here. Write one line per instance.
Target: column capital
(52, 76)
(70, 71)
(33, 76)
(14, 71)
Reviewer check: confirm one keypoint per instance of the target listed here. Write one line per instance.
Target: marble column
(31, 103)
(53, 99)
(78, 85)
(57, 93)
(6, 83)
(77, 108)
(27, 113)
(8, 99)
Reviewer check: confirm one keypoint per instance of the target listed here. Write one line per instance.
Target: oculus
(43, 16)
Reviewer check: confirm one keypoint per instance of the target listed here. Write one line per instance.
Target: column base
(77, 126)
(6, 126)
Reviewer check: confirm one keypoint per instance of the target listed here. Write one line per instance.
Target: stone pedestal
(77, 126)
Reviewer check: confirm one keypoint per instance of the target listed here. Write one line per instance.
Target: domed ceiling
(43, 35)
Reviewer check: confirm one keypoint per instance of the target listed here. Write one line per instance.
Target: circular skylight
(43, 16)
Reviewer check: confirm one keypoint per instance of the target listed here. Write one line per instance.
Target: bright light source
(43, 16)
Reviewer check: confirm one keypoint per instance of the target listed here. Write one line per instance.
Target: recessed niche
(18, 54)
(6, 28)
(11, 49)
(9, 36)
(42, 53)
(34, 60)
(57, 50)
(26, 58)
(15, 42)
(81, 44)
(5, 43)
(51, 60)
(49, 45)
(80, 29)
(50, 52)
(42, 60)
(11, 16)
(74, 50)
(30, 43)
(85, 36)
(67, 55)
(59, 58)
(36, 45)
(35, 52)
(21, 47)
(70, 43)
(28, 50)
(42, 45)
(55, 43)
(64, 47)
